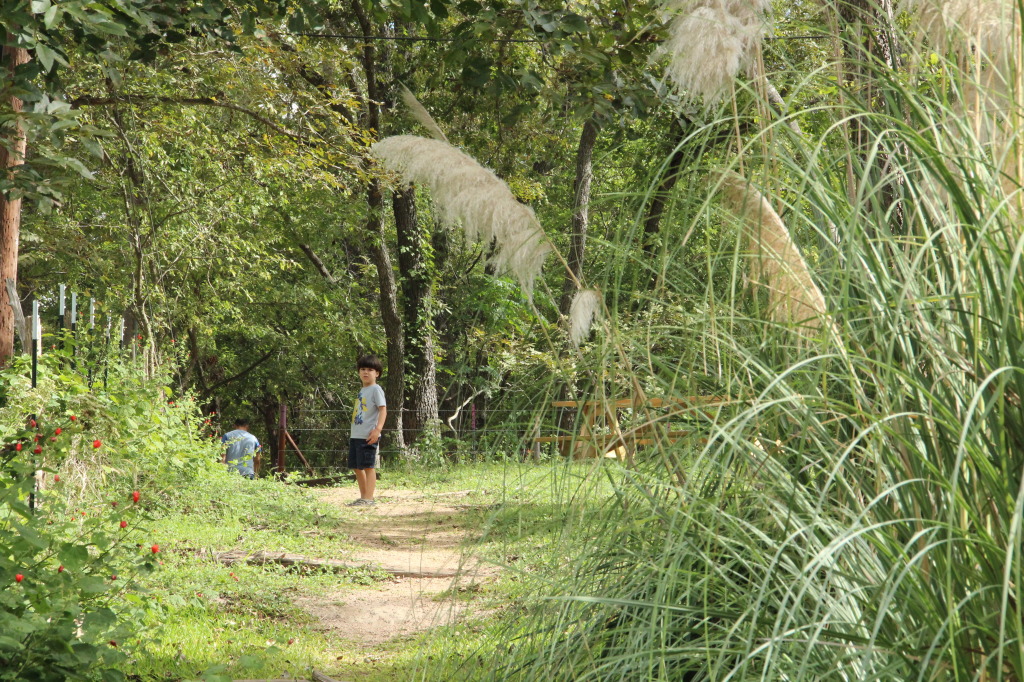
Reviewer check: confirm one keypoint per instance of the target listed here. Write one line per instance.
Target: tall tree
(389, 309)
(41, 36)
(12, 155)
(417, 303)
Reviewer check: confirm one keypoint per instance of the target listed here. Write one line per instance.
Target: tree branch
(317, 263)
(185, 101)
(222, 382)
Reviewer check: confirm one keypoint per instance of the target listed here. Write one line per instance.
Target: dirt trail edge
(407, 532)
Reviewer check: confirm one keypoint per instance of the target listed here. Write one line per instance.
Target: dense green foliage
(849, 507)
(74, 544)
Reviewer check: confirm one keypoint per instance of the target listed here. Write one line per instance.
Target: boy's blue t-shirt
(367, 407)
(241, 446)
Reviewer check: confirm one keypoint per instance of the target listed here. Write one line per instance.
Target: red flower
(37, 449)
(155, 548)
(56, 478)
(172, 340)
(18, 447)
(124, 524)
(32, 423)
(57, 431)
(60, 569)
(53, 439)
(96, 444)
(35, 438)
(112, 642)
(113, 577)
(135, 496)
(114, 503)
(73, 418)
(140, 337)
(18, 578)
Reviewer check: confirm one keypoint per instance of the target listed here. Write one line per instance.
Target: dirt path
(406, 532)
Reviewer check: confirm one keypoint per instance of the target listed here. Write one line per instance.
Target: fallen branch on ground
(284, 559)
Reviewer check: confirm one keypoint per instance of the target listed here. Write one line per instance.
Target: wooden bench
(590, 441)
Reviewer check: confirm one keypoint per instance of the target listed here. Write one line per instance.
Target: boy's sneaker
(361, 503)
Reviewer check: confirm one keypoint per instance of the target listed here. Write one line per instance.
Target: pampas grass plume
(467, 194)
(586, 305)
(709, 41)
(776, 263)
(988, 25)
(420, 114)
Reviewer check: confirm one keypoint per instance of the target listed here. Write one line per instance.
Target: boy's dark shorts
(361, 455)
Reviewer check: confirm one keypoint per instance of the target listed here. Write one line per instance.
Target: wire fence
(458, 436)
(88, 336)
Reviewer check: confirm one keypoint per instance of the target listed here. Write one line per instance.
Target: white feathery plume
(988, 34)
(421, 115)
(467, 194)
(776, 263)
(988, 25)
(586, 306)
(709, 41)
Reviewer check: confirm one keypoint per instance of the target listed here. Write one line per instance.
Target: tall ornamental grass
(851, 505)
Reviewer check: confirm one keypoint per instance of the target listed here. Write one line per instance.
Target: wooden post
(295, 446)
(282, 431)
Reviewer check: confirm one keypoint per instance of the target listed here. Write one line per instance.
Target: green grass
(219, 622)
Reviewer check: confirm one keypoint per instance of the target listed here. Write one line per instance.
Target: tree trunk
(10, 209)
(394, 385)
(417, 298)
(656, 209)
(580, 214)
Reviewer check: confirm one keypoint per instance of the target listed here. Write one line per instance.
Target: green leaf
(78, 167)
(10, 643)
(439, 9)
(90, 584)
(30, 536)
(574, 23)
(476, 72)
(46, 57)
(52, 16)
(73, 556)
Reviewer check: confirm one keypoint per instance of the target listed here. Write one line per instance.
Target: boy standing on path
(368, 417)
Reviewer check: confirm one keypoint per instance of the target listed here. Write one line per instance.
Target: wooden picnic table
(599, 431)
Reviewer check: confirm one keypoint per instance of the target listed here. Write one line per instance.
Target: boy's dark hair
(370, 361)
(241, 421)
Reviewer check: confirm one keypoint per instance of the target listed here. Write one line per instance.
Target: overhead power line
(431, 39)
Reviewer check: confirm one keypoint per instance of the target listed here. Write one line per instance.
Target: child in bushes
(368, 418)
(241, 448)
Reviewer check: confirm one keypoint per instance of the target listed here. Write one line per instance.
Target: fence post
(36, 334)
(281, 444)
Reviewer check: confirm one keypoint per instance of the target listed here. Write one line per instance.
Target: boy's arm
(382, 415)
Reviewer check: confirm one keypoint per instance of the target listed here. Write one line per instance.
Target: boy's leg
(371, 482)
(367, 479)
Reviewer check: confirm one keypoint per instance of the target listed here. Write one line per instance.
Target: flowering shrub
(72, 545)
(60, 608)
